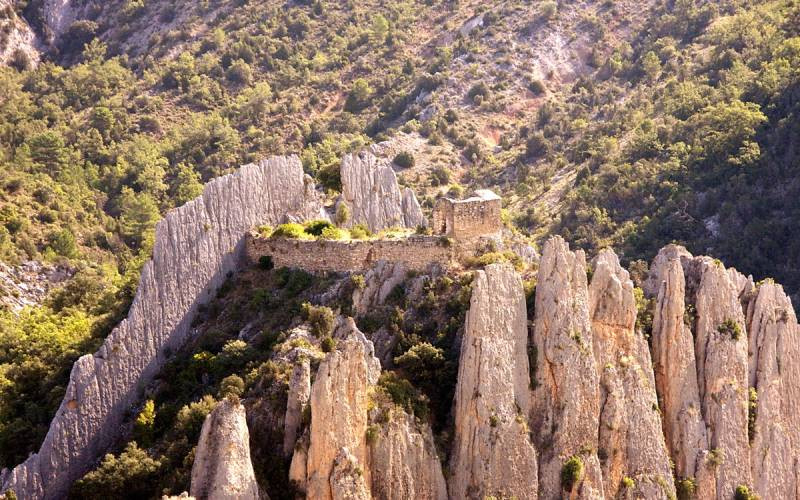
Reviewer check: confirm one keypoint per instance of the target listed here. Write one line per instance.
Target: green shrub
(571, 473)
(333, 233)
(372, 434)
(628, 482)
(315, 227)
(293, 281)
(360, 232)
(232, 385)
(496, 257)
(752, 411)
(404, 159)
(342, 213)
(730, 327)
(537, 87)
(358, 281)
(743, 493)
(133, 474)
(143, 426)
(686, 488)
(548, 9)
(290, 230)
(328, 344)
(478, 92)
(320, 318)
(191, 417)
(404, 394)
(63, 243)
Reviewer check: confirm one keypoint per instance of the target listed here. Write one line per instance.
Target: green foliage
(686, 488)
(63, 243)
(360, 232)
(315, 227)
(627, 483)
(333, 233)
(743, 492)
(232, 385)
(644, 312)
(321, 319)
(328, 344)
(132, 474)
(571, 472)
(497, 257)
(752, 412)
(730, 327)
(359, 96)
(290, 230)
(143, 426)
(404, 159)
(342, 214)
(404, 394)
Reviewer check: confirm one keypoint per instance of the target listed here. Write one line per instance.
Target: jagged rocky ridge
(196, 247)
(567, 402)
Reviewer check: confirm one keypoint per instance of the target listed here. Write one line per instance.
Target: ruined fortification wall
(476, 219)
(417, 252)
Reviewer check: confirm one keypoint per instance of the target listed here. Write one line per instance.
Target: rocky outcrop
(339, 398)
(347, 478)
(403, 460)
(676, 372)
(296, 402)
(196, 246)
(222, 469)
(721, 355)
(774, 376)
(492, 453)
(566, 402)
(18, 37)
(630, 438)
(373, 196)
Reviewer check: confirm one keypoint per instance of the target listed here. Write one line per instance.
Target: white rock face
(19, 36)
(297, 400)
(566, 403)
(403, 460)
(492, 453)
(676, 373)
(722, 371)
(630, 424)
(222, 469)
(339, 398)
(775, 374)
(371, 191)
(58, 16)
(196, 245)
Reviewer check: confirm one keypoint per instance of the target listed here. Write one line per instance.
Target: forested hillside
(613, 122)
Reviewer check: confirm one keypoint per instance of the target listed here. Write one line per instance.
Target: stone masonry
(474, 217)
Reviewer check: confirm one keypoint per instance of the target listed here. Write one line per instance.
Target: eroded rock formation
(19, 38)
(196, 245)
(566, 403)
(630, 438)
(373, 196)
(222, 469)
(403, 460)
(492, 452)
(339, 398)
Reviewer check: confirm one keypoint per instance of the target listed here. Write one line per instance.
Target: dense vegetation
(681, 128)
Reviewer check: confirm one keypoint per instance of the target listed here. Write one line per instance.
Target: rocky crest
(196, 246)
(566, 402)
(492, 453)
(373, 196)
(630, 424)
(339, 399)
(222, 469)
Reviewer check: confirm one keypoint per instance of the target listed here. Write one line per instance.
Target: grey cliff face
(676, 373)
(403, 460)
(222, 469)
(566, 403)
(492, 451)
(373, 196)
(630, 424)
(196, 245)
